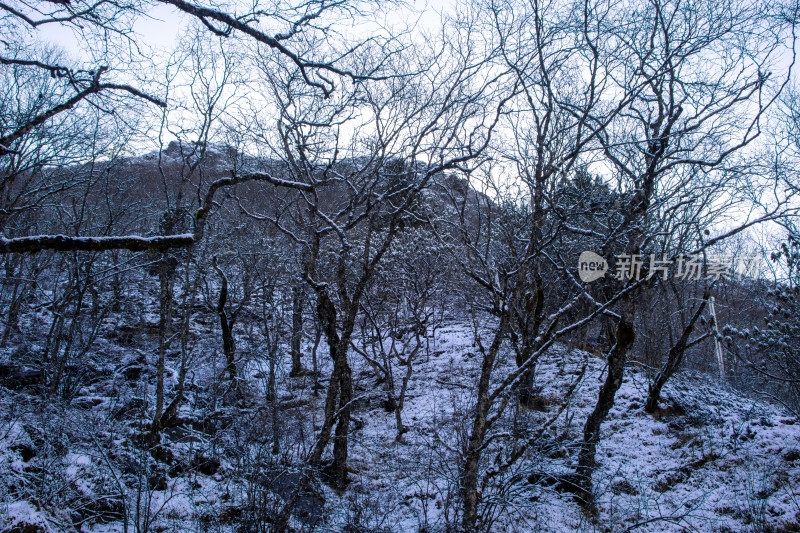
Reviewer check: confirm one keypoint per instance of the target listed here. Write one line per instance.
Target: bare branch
(64, 243)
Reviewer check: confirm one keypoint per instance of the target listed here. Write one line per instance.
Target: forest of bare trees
(497, 265)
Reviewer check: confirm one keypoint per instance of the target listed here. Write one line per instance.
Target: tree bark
(617, 358)
(674, 359)
(340, 442)
(63, 243)
(171, 412)
(326, 313)
(297, 330)
(469, 479)
(165, 318)
(226, 324)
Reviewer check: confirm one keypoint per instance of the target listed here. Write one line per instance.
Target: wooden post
(717, 343)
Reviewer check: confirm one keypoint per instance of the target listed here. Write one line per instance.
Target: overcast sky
(163, 25)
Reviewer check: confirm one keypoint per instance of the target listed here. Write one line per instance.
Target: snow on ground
(712, 460)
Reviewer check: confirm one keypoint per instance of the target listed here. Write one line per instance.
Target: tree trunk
(340, 442)
(525, 390)
(297, 330)
(469, 480)
(327, 317)
(314, 367)
(273, 397)
(617, 358)
(165, 317)
(228, 345)
(171, 411)
(18, 293)
(401, 398)
(674, 359)
(226, 324)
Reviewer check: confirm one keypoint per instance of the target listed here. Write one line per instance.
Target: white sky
(163, 25)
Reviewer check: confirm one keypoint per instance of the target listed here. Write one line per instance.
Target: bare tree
(677, 350)
(400, 314)
(353, 191)
(654, 125)
(675, 136)
(88, 87)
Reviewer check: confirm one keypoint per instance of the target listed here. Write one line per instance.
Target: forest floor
(711, 460)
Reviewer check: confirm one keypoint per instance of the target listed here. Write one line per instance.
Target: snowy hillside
(711, 461)
(353, 266)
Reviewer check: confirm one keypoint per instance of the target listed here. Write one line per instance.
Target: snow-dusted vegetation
(361, 266)
(710, 460)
